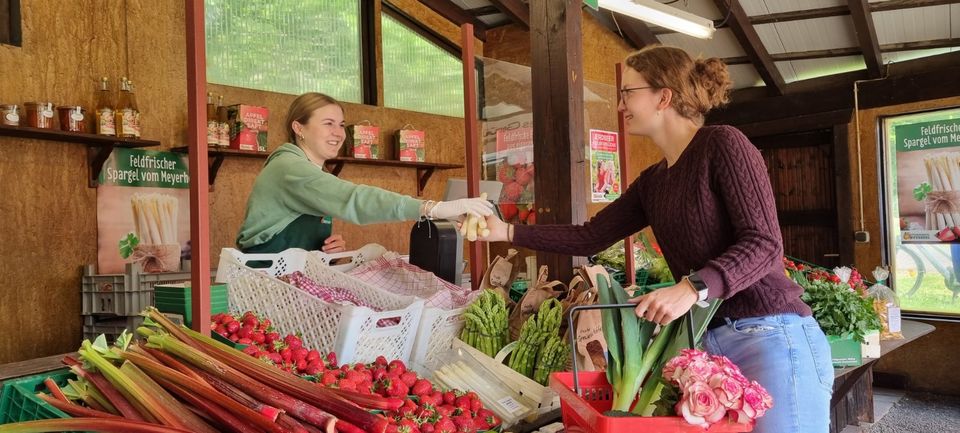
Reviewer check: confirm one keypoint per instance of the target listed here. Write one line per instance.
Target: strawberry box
(363, 142)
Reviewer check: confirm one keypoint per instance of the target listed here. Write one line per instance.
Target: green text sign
(135, 167)
(928, 135)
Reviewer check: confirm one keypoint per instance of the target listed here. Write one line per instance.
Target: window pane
(418, 75)
(922, 153)
(286, 46)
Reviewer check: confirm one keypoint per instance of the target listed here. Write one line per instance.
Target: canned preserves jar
(39, 114)
(10, 114)
(72, 118)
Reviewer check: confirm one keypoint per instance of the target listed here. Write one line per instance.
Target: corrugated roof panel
(910, 25)
(471, 4)
(808, 35)
(786, 71)
(702, 8)
(723, 44)
(813, 68)
(902, 56)
(763, 7)
(744, 76)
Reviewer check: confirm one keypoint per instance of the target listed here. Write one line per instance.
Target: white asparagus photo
(155, 218)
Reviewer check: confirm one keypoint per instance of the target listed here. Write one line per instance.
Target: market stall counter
(852, 400)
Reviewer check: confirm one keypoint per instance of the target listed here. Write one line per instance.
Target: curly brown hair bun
(698, 85)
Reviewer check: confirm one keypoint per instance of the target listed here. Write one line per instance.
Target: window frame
(13, 25)
(887, 243)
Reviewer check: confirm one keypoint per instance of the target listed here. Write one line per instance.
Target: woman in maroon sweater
(710, 204)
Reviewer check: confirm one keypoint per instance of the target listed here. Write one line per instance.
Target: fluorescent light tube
(662, 15)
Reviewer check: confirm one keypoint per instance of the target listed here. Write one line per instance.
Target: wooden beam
(471, 127)
(454, 14)
(752, 45)
(851, 51)
(892, 5)
(556, 53)
(923, 79)
(844, 195)
(516, 10)
(867, 36)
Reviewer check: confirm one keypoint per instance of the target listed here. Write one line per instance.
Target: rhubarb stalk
(146, 404)
(104, 425)
(231, 391)
(74, 409)
(192, 421)
(224, 417)
(109, 392)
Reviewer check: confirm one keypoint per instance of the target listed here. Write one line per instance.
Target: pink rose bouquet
(712, 388)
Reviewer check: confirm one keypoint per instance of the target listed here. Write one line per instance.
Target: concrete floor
(883, 400)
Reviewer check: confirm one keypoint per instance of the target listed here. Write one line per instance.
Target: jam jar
(10, 114)
(73, 118)
(39, 114)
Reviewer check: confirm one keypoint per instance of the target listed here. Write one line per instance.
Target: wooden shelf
(334, 166)
(99, 147)
(424, 169)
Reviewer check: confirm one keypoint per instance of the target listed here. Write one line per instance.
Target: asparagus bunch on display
(553, 357)
(534, 334)
(486, 326)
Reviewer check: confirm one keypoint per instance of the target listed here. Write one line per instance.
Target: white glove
(456, 208)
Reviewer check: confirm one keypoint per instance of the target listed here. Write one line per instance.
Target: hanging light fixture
(662, 15)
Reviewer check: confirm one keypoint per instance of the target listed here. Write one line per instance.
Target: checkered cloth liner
(332, 295)
(391, 273)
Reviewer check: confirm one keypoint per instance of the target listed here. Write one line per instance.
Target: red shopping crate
(584, 413)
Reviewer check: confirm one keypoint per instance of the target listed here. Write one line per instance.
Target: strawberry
(312, 370)
(408, 426)
(275, 358)
(332, 358)
(488, 417)
(445, 425)
(286, 354)
(347, 384)
(463, 403)
(365, 386)
(355, 376)
(421, 387)
(512, 191)
(445, 410)
(395, 388)
(232, 327)
(253, 351)
(300, 354)
(379, 373)
(234, 338)
(427, 427)
(301, 364)
(381, 361)
(464, 423)
(508, 210)
(396, 365)
(449, 397)
(271, 337)
(293, 341)
(250, 321)
(523, 213)
(266, 325)
(226, 318)
(532, 218)
(409, 378)
(312, 355)
(258, 337)
(329, 377)
(475, 405)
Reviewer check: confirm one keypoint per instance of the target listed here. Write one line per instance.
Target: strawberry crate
(442, 318)
(356, 334)
(19, 402)
(584, 412)
(125, 294)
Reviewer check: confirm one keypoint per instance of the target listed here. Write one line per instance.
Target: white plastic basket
(441, 321)
(350, 331)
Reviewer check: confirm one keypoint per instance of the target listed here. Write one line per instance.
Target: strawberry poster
(604, 166)
(143, 211)
(928, 180)
(514, 166)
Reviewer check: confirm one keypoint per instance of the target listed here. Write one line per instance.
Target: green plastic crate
(176, 299)
(19, 402)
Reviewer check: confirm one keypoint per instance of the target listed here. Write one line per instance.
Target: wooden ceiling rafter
(518, 11)
(483, 11)
(457, 15)
(867, 36)
(851, 51)
(750, 41)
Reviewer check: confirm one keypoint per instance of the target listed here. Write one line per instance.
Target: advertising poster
(143, 211)
(604, 166)
(928, 180)
(514, 165)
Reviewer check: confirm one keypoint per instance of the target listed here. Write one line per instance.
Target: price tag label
(893, 318)
(510, 404)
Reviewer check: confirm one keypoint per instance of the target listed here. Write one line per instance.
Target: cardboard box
(248, 127)
(410, 145)
(363, 142)
(845, 351)
(870, 348)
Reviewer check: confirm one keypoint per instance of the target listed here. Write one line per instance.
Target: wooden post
(471, 130)
(196, 137)
(559, 149)
(629, 266)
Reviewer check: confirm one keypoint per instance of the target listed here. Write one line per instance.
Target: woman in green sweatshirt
(293, 200)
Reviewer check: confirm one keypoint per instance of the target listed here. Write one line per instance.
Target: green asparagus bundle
(553, 357)
(534, 334)
(486, 323)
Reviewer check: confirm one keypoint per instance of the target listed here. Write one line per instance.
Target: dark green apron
(307, 232)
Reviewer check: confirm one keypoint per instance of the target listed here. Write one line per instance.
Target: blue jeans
(790, 357)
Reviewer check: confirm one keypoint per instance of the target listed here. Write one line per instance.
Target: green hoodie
(290, 186)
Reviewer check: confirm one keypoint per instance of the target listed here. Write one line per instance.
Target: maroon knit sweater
(712, 212)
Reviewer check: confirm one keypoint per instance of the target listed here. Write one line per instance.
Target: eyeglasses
(625, 92)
